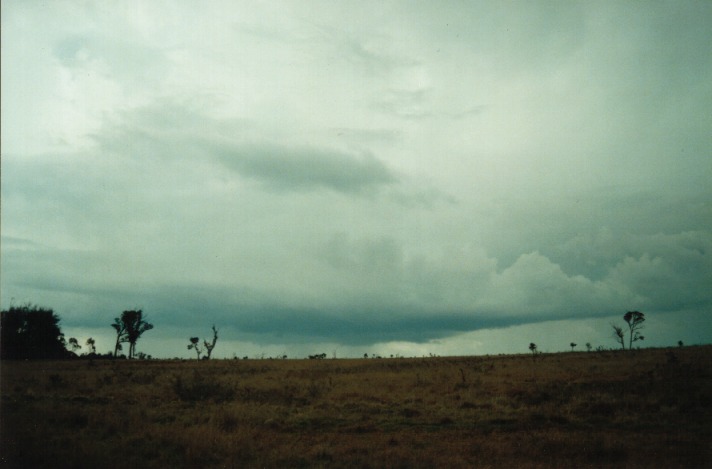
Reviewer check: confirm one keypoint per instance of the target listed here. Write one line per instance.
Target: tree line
(634, 321)
(33, 332)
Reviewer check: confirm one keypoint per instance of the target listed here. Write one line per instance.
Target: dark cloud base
(191, 307)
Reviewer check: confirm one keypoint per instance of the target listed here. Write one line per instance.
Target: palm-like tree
(134, 326)
(635, 321)
(619, 335)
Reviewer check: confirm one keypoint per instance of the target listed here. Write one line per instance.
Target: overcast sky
(350, 177)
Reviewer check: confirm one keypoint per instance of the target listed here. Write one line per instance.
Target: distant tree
(135, 326)
(195, 345)
(30, 331)
(572, 346)
(91, 344)
(588, 346)
(679, 343)
(121, 335)
(73, 344)
(619, 335)
(209, 346)
(532, 348)
(635, 320)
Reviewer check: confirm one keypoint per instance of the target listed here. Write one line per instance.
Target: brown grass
(646, 408)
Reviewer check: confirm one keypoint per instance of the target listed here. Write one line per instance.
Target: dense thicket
(30, 331)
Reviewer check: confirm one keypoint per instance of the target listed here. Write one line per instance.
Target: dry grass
(647, 408)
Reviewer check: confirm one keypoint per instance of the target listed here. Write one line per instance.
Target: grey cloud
(371, 290)
(126, 61)
(403, 173)
(671, 274)
(305, 168)
(368, 54)
(466, 112)
(357, 136)
(597, 254)
(365, 255)
(77, 50)
(171, 131)
(12, 243)
(409, 104)
(535, 286)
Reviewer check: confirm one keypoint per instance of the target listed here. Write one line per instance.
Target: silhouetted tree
(134, 325)
(74, 344)
(572, 346)
(619, 335)
(532, 347)
(635, 320)
(588, 346)
(92, 345)
(209, 346)
(121, 337)
(30, 331)
(679, 343)
(195, 345)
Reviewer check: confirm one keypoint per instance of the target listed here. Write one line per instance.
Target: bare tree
(635, 321)
(209, 346)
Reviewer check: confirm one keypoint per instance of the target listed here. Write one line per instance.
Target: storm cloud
(408, 178)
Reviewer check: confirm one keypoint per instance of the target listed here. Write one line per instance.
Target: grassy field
(644, 408)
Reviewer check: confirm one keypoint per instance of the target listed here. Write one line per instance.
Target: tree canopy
(31, 332)
(134, 325)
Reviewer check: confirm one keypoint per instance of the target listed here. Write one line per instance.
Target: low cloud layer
(288, 168)
(396, 177)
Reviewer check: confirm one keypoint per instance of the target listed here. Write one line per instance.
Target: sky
(392, 178)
